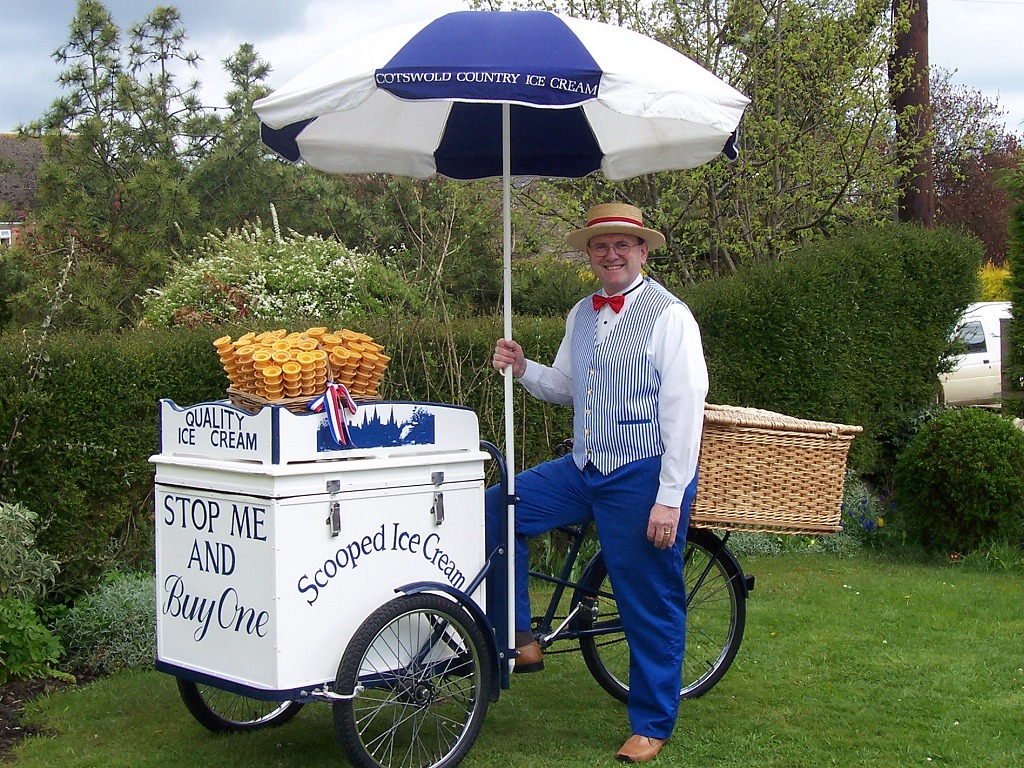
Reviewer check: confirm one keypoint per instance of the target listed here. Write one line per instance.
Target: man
(632, 366)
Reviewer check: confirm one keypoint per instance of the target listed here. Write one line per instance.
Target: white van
(976, 375)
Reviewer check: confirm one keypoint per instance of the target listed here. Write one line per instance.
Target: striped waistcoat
(615, 387)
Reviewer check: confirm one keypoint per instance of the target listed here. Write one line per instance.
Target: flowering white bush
(256, 275)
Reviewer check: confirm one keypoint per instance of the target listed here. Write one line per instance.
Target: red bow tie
(615, 302)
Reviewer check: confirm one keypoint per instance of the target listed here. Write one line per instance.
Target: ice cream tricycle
(342, 557)
(293, 569)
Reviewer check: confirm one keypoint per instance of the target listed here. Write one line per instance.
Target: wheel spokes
(420, 686)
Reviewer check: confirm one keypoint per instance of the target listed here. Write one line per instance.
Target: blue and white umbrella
(480, 94)
(427, 98)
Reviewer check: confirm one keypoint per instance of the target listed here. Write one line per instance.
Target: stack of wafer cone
(278, 365)
(356, 361)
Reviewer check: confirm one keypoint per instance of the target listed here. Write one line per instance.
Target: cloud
(964, 36)
(290, 35)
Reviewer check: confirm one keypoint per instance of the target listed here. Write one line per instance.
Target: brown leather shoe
(640, 749)
(529, 658)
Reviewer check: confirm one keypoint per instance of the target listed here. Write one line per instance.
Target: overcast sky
(978, 39)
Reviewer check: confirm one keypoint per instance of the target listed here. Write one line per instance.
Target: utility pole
(911, 101)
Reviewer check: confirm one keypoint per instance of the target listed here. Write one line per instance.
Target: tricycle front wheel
(418, 669)
(220, 710)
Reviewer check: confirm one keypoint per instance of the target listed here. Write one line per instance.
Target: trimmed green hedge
(850, 330)
(84, 421)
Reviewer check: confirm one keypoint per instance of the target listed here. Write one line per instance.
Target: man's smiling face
(616, 260)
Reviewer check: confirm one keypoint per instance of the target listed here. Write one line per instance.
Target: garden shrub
(253, 275)
(28, 649)
(546, 286)
(960, 483)
(79, 435)
(866, 518)
(850, 330)
(994, 557)
(26, 572)
(745, 544)
(995, 285)
(113, 627)
(1013, 364)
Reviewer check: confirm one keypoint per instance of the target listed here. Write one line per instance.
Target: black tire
(220, 710)
(716, 615)
(425, 671)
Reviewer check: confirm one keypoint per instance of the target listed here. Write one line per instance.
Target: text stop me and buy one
(204, 517)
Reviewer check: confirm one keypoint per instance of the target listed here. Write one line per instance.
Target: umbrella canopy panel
(425, 99)
(524, 57)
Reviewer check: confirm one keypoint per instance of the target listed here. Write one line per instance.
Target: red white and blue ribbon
(335, 401)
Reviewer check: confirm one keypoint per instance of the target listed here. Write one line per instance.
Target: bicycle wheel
(220, 710)
(423, 667)
(716, 614)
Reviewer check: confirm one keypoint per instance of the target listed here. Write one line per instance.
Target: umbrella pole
(506, 194)
(506, 204)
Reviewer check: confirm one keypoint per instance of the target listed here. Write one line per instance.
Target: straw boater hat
(617, 218)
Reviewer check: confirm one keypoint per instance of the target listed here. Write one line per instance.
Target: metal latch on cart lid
(437, 508)
(334, 518)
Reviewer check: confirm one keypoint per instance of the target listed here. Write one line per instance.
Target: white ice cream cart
(294, 567)
(279, 553)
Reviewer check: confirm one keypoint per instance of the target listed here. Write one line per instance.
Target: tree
(138, 171)
(908, 76)
(118, 148)
(235, 180)
(972, 148)
(816, 143)
(434, 231)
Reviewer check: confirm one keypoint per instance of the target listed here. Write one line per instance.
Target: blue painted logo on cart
(376, 432)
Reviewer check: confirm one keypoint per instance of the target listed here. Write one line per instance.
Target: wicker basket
(765, 472)
(254, 403)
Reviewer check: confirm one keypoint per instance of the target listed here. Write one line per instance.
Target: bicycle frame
(546, 635)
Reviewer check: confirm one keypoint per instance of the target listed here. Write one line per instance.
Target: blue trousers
(648, 582)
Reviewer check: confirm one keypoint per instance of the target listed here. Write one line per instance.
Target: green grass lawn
(851, 662)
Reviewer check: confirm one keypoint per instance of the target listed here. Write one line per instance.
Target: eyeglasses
(620, 248)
